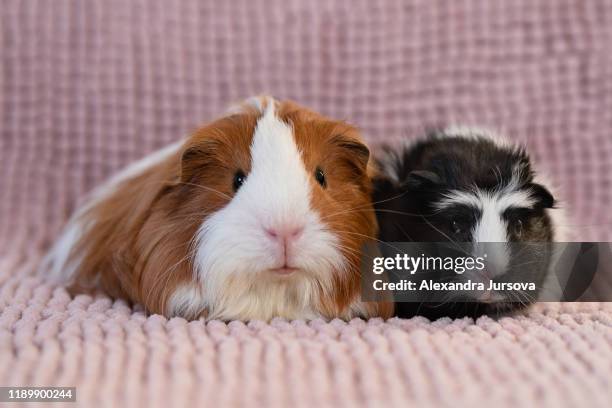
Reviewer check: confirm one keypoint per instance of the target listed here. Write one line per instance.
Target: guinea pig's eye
(456, 227)
(239, 179)
(320, 177)
(518, 227)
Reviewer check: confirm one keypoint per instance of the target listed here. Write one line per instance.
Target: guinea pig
(470, 187)
(248, 218)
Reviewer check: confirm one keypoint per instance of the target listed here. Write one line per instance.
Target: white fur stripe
(476, 199)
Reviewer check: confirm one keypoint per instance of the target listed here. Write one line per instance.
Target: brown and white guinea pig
(468, 185)
(248, 218)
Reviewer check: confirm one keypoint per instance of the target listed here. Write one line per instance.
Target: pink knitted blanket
(87, 87)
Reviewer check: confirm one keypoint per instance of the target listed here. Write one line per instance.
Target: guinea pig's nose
(285, 232)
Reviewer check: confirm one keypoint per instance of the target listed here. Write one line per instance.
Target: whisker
(457, 246)
(367, 206)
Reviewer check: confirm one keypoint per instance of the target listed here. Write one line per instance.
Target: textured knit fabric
(89, 86)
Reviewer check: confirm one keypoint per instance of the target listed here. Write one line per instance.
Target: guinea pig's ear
(419, 179)
(359, 152)
(195, 157)
(544, 197)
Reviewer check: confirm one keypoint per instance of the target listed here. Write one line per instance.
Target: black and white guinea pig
(466, 185)
(248, 218)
